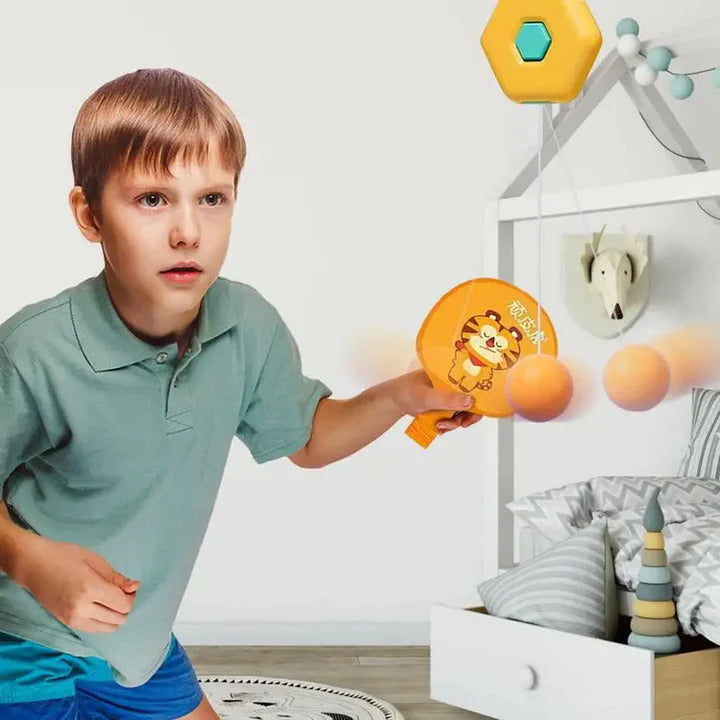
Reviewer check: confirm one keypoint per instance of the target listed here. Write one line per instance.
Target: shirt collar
(109, 344)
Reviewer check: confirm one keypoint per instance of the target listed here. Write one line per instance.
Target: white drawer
(516, 671)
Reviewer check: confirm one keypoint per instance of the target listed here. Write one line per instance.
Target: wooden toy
(654, 625)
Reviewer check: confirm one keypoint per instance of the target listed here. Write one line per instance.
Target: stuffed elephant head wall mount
(606, 280)
(613, 271)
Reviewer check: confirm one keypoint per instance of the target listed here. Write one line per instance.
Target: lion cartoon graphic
(485, 347)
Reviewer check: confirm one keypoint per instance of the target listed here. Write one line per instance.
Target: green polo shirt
(109, 442)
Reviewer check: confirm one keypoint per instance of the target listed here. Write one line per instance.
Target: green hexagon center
(533, 41)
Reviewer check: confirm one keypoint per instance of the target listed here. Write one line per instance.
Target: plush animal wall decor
(606, 280)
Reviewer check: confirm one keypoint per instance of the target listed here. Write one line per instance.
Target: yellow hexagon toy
(541, 50)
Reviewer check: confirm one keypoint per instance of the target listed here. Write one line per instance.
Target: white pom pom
(628, 45)
(645, 75)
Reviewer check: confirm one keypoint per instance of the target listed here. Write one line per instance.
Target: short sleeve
(279, 417)
(22, 433)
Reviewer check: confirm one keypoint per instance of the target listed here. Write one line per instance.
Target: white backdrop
(376, 132)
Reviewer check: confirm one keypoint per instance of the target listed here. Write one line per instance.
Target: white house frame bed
(523, 671)
(696, 46)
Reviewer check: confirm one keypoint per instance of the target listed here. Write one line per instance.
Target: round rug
(246, 697)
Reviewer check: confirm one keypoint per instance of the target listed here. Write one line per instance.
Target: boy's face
(152, 223)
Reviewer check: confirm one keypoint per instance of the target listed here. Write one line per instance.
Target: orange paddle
(472, 335)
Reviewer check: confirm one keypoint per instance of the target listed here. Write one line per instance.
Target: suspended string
(545, 110)
(540, 141)
(571, 183)
(576, 196)
(462, 317)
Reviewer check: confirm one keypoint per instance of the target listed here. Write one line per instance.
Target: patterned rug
(244, 697)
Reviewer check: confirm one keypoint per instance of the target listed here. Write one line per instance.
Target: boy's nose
(188, 236)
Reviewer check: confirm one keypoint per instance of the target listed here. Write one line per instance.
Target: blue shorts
(39, 683)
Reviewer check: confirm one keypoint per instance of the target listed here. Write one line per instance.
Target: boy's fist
(75, 585)
(413, 393)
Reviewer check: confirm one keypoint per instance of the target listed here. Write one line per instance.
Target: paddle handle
(422, 429)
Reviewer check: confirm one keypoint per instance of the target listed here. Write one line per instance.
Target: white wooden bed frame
(698, 48)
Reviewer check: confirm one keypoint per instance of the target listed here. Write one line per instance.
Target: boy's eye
(218, 198)
(154, 196)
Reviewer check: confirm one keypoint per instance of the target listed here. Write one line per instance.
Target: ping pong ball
(377, 353)
(637, 377)
(693, 357)
(539, 387)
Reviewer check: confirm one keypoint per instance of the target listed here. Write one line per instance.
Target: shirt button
(161, 357)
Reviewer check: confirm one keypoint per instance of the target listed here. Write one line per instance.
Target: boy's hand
(75, 585)
(414, 393)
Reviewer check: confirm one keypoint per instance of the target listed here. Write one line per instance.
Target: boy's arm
(342, 427)
(12, 540)
(22, 437)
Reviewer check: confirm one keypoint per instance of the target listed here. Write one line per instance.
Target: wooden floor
(398, 675)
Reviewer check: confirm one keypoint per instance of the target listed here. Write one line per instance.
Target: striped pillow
(702, 457)
(570, 587)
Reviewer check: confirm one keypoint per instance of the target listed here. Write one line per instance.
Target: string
(466, 305)
(540, 140)
(680, 155)
(573, 187)
(670, 72)
(462, 317)
(687, 157)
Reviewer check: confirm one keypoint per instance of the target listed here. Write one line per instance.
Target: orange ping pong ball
(693, 357)
(637, 377)
(539, 387)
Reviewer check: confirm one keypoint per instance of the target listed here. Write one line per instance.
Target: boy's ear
(83, 215)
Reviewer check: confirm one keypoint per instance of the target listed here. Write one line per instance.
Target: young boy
(119, 399)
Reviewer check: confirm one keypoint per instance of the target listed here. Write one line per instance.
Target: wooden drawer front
(515, 671)
(687, 687)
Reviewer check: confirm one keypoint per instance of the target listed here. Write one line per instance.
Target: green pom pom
(653, 519)
(682, 87)
(659, 58)
(716, 77)
(627, 26)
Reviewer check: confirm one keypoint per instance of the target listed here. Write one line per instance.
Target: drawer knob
(527, 677)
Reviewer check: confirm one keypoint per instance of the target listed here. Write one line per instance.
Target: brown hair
(144, 120)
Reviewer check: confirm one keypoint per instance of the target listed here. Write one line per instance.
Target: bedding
(569, 587)
(702, 456)
(691, 508)
(560, 512)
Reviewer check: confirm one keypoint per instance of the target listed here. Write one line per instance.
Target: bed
(691, 509)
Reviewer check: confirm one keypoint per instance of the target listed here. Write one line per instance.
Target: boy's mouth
(183, 272)
(183, 267)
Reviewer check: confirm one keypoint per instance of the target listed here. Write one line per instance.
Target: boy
(119, 398)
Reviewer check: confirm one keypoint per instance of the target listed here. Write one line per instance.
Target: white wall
(376, 131)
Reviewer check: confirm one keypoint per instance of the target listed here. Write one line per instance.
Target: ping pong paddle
(471, 337)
